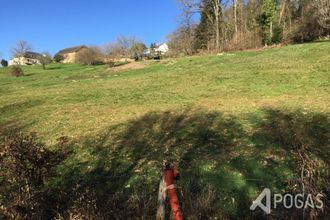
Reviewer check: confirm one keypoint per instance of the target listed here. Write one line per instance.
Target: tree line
(243, 24)
(221, 25)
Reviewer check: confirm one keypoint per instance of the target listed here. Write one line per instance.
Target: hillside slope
(78, 100)
(234, 124)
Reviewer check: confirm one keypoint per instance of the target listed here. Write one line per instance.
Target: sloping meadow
(233, 123)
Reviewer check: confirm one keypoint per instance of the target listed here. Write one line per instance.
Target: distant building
(29, 58)
(70, 54)
(157, 51)
(162, 48)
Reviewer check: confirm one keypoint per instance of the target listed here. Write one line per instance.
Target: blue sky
(53, 25)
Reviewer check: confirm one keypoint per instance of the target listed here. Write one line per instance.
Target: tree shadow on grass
(224, 166)
(295, 145)
(55, 67)
(12, 127)
(121, 168)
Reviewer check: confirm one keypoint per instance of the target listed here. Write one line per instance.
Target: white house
(162, 48)
(29, 58)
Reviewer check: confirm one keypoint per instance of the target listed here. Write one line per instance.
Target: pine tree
(269, 8)
(211, 25)
(204, 29)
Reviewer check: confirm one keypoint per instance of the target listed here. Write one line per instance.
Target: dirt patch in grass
(129, 66)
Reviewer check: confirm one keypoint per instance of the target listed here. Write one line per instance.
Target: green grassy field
(231, 122)
(78, 100)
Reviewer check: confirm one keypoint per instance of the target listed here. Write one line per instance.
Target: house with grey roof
(28, 58)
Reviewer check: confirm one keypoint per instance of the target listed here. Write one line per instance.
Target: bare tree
(121, 47)
(45, 59)
(217, 18)
(284, 4)
(137, 50)
(323, 12)
(181, 41)
(235, 15)
(215, 15)
(90, 56)
(190, 6)
(20, 48)
(113, 49)
(124, 42)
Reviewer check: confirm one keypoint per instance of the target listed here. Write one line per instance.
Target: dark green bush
(58, 58)
(98, 62)
(277, 35)
(4, 63)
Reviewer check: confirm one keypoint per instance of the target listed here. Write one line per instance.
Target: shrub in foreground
(16, 71)
(26, 167)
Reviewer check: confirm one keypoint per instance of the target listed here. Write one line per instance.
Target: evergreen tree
(267, 20)
(4, 63)
(204, 31)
